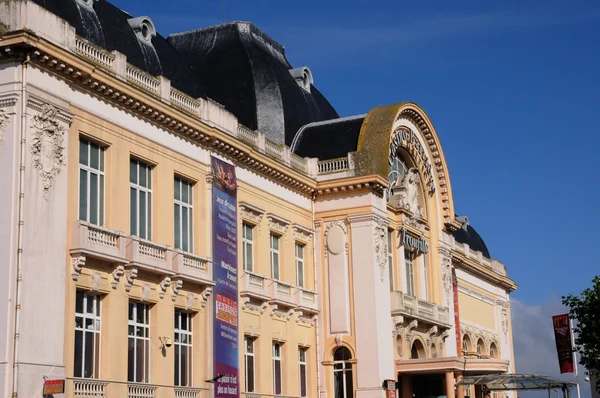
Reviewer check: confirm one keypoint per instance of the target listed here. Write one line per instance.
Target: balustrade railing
(94, 53)
(143, 79)
(409, 305)
(102, 236)
(299, 163)
(274, 150)
(187, 392)
(89, 388)
(248, 136)
(332, 165)
(141, 390)
(152, 250)
(184, 101)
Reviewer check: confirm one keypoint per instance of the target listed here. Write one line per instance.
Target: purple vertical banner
(226, 351)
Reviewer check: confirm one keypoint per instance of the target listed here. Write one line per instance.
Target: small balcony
(412, 307)
(148, 255)
(306, 300)
(140, 390)
(254, 286)
(89, 388)
(91, 240)
(192, 267)
(282, 294)
(187, 392)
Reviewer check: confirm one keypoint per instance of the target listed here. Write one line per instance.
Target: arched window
(417, 350)
(342, 373)
(480, 347)
(466, 344)
(397, 170)
(493, 351)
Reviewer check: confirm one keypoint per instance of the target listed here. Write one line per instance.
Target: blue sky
(511, 86)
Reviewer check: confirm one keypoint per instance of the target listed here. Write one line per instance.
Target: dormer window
(143, 28)
(303, 77)
(87, 3)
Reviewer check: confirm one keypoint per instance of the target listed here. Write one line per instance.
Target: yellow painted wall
(476, 311)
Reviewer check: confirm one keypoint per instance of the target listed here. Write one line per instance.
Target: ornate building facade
(157, 243)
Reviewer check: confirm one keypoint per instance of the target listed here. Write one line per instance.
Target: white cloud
(534, 345)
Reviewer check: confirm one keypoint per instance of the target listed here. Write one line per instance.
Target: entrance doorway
(428, 386)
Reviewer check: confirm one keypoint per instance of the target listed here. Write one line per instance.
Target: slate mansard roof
(235, 64)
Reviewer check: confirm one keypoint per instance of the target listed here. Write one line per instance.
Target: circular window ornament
(143, 28)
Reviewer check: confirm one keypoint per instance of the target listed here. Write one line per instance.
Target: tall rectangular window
(391, 259)
(140, 176)
(91, 182)
(247, 247)
(138, 358)
(410, 277)
(87, 335)
(302, 370)
(276, 368)
(249, 363)
(299, 265)
(183, 348)
(184, 225)
(425, 277)
(274, 256)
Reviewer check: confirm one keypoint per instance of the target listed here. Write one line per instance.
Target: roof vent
(464, 220)
(143, 28)
(303, 77)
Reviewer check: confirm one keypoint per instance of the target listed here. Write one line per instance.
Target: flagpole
(575, 363)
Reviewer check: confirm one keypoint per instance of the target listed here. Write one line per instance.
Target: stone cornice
(344, 186)
(104, 84)
(472, 267)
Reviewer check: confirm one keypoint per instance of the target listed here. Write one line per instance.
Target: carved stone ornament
(335, 233)
(205, 295)
(164, 285)
(47, 146)
(409, 331)
(189, 301)
(96, 278)
(175, 286)
(251, 213)
(77, 263)
(3, 124)
(302, 234)
(338, 340)
(145, 291)
(406, 192)
(381, 251)
(130, 276)
(277, 224)
(504, 318)
(117, 273)
(446, 272)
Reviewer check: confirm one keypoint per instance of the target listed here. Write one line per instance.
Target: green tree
(585, 309)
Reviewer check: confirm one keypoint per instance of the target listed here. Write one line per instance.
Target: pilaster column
(208, 222)
(450, 385)
(460, 390)
(445, 257)
(372, 314)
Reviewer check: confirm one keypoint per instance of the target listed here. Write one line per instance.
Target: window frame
(345, 367)
(300, 276)
(189, 346)
(247, 356)
(147, 190)
(247, 242)
(88, 169)
(277, 360)
(96, 318)
(179, 205)
(147, 342)
(409, 258)
(275, 253)
(303, 363)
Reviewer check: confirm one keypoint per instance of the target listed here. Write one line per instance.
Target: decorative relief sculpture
(504, 318)
(117, 273)
(446, 271)
(130, 276)
(334, 237)
(405, 192)
(189, 301)
(3, 124)
(96, 278)
(205, 295)
(164, 284)
(77, 263)
(381, 250)
(145, 291)
(47, 146)
(175, 286)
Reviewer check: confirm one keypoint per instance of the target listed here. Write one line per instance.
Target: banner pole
(575, 372)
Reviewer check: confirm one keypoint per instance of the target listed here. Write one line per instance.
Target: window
(249, 362)
(184, 225)
(87, 335)
(466, 344)
(274, 256)
(425, 277)
(91, 182)
(410, 278)
(342, 373)
(493, 351)
(302, 370)
(247, 245)
(140, 176)
(276, 368)
(299, 265)
(391, 259)
(183, 348)
(138, 360)
(417, 350)
(480, 348)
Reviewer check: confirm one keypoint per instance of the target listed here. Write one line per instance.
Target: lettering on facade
(418, 244)
(406, 138)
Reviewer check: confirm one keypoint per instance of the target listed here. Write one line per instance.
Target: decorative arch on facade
(467, 345)
(480, 347)
(417, 349)
(330, 352)
(375, 140)
(494, 350)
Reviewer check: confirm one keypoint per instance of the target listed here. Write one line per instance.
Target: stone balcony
(91, 240)
(422, 310)
(306, 300)
(191, 267)
(281, 294)
(149, 256)
(254, 286)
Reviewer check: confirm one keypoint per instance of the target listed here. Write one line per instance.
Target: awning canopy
(506, 382)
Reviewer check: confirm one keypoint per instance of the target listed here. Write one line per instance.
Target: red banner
(564, 346)
(456, 314)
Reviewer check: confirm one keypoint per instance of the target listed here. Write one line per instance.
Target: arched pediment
(383, 131)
